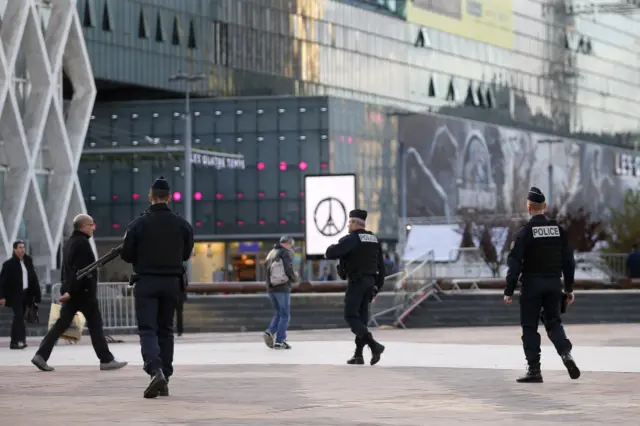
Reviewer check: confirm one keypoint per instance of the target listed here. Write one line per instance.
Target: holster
(563, 306)
(184, 282)
(133, 279)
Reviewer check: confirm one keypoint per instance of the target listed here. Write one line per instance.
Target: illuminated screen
(327, 203)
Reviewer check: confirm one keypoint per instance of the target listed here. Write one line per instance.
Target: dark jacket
(158, 242)
(633, 264)
(78, 254)
(11, 281)
(279, 252)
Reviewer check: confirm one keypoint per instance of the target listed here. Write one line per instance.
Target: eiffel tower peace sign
(330, 216)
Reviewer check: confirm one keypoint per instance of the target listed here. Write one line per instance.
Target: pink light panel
(260, 166)
(218, 196)
(198, 223)
(283, 166)
(302, 165)
(197, 196)
(261, 222)
(219, 223)
(135, 196)
(115, 226)
(283, 222)
(177, 196)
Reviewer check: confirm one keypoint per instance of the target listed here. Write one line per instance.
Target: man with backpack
(280, 278)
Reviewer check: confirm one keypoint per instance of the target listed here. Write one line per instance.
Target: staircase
(486, 308)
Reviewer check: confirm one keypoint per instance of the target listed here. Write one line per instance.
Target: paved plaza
(426, 377)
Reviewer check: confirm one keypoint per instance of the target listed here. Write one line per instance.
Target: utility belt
(134, 278)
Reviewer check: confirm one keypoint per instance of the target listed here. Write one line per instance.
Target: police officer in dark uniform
(156, 244)
(541, 253)
(362, 265)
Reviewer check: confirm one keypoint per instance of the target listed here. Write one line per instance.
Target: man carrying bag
(20, 291)
(280, 278)
(78, 296)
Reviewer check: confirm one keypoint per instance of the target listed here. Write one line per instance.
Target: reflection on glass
(207, 262)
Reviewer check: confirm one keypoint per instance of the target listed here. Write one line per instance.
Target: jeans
(281, 302)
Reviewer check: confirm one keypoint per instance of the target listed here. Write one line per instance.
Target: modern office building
(238, 212)
(41, 137)
(533, 66)
(539, 63)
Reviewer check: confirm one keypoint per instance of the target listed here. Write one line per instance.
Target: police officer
(156, 244)
(362, 265)
(541, 253)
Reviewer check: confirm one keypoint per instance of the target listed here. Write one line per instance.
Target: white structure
(41, 138)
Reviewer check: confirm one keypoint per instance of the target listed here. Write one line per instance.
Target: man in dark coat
(19, 290)
(78, 295)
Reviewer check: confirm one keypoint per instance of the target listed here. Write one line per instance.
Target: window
(143, 31)
(221, 43)
(87, 20)
(159, 29)
(191, 44)
(175, 35)
(106, 18)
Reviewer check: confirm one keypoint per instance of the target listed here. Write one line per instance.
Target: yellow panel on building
(486, 21)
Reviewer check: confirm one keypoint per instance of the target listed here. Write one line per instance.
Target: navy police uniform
(538, 257)
(157, 244)
(362, 265)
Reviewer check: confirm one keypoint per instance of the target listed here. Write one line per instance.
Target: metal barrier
(605, 266)
(116, 303)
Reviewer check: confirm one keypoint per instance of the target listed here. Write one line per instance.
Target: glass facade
(282, 140)
(553, 69)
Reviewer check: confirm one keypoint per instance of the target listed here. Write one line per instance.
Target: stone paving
(427, 377)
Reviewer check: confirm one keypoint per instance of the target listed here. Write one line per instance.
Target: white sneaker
(283, 345)
(268, 339)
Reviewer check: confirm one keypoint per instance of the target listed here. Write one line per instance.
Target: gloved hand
(374, 293)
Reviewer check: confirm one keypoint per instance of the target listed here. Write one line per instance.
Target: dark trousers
(356, 305)
(18, 326)
(180, 315)
(537, 294)
(90, 308)
(156, 301)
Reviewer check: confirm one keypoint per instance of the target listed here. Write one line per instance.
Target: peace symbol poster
(327, 203)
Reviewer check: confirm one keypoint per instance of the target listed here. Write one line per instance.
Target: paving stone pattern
(327, 395)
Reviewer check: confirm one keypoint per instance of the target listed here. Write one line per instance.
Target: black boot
(156, 385)
(357, 358)
(572, 368)
(376, 348)
(533, 374)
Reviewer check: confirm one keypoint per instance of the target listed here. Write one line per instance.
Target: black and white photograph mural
(456, 165)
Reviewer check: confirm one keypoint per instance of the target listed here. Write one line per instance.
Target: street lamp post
(188, 146)
(550, 142)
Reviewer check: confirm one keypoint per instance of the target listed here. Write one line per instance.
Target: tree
(624, 224)
(492, 236)
(583, 232)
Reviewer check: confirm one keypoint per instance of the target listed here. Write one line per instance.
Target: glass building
(237, 212)
(559, 71)
(524, 62)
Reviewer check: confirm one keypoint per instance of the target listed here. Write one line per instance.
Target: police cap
(535, 195)
(160, 184)
(358, 214)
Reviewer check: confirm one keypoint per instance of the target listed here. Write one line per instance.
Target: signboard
(328, 199)
(486, 21)
(627, 165)
(218, 160)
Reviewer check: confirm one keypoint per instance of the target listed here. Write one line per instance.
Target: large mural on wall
(457, 165)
